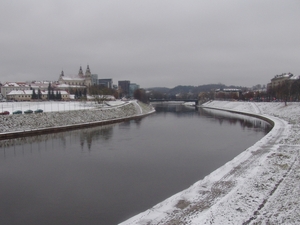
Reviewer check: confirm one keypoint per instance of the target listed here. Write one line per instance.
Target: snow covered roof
(38, 85)
(15, 84)
(64, 92)
(29, 92)
(68, 85)
(61, 92)
(295, 77)
(286, 76)
(228, 90)
(20, 92)
(73, 77)
(63, 85)
(283, 75)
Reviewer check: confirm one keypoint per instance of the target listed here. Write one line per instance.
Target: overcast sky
(154, 43)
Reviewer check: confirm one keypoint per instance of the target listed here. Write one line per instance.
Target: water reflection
(85, 136)
(177, 108)
(60, 140)
(89, 135)
(225, 118)
(217, 116)
(127, 124)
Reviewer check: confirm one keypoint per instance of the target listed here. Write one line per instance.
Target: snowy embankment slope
(56, 117)
(259, 186)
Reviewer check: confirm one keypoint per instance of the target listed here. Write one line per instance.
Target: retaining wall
(13, 126)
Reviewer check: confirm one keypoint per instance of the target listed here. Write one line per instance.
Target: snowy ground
(259, 186)
(54, 106)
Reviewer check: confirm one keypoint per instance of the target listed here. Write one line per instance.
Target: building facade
(26, 95)
(6, 88)
(132, 88)
(124, 88)
(94, 79)
(79, 79)
(281, 79)
(227, 93)
(106, 83)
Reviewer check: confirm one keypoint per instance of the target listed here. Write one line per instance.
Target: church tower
(80, 74)
(61, 76)
(88, 71)
(88, 77)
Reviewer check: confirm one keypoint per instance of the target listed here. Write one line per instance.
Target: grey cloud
(153, 43)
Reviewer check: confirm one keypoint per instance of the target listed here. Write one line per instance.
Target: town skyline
(93, 76)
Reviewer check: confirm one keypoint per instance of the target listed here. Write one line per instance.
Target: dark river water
(104, 175)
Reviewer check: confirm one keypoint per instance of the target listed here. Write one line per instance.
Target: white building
(13, 86)
(26, 95)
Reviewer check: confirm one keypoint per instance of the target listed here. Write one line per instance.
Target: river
(104, 175)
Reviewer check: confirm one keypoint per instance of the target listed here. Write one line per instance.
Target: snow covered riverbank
(56, 115)
(259, 186)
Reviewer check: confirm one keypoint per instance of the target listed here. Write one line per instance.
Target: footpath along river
(104, 175)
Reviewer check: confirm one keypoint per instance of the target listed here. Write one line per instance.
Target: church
(78, 80)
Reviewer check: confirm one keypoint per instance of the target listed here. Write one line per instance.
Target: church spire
(80, 72)
(61, 75)
(88, 71)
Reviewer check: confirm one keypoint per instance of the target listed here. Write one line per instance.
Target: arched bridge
(174, 100)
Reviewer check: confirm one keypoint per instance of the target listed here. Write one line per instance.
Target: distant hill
(191, 89)
(159, 89)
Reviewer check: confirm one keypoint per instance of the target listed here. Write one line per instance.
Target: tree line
(51, 95)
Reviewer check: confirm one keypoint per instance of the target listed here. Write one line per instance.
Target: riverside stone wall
(16, 123)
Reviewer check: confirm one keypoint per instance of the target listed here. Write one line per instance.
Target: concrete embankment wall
(13, 126)
(271, 122)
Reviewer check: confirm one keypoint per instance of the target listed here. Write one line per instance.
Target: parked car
(28, 111)
(17, 112)
(4, 113)
(38, 111)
